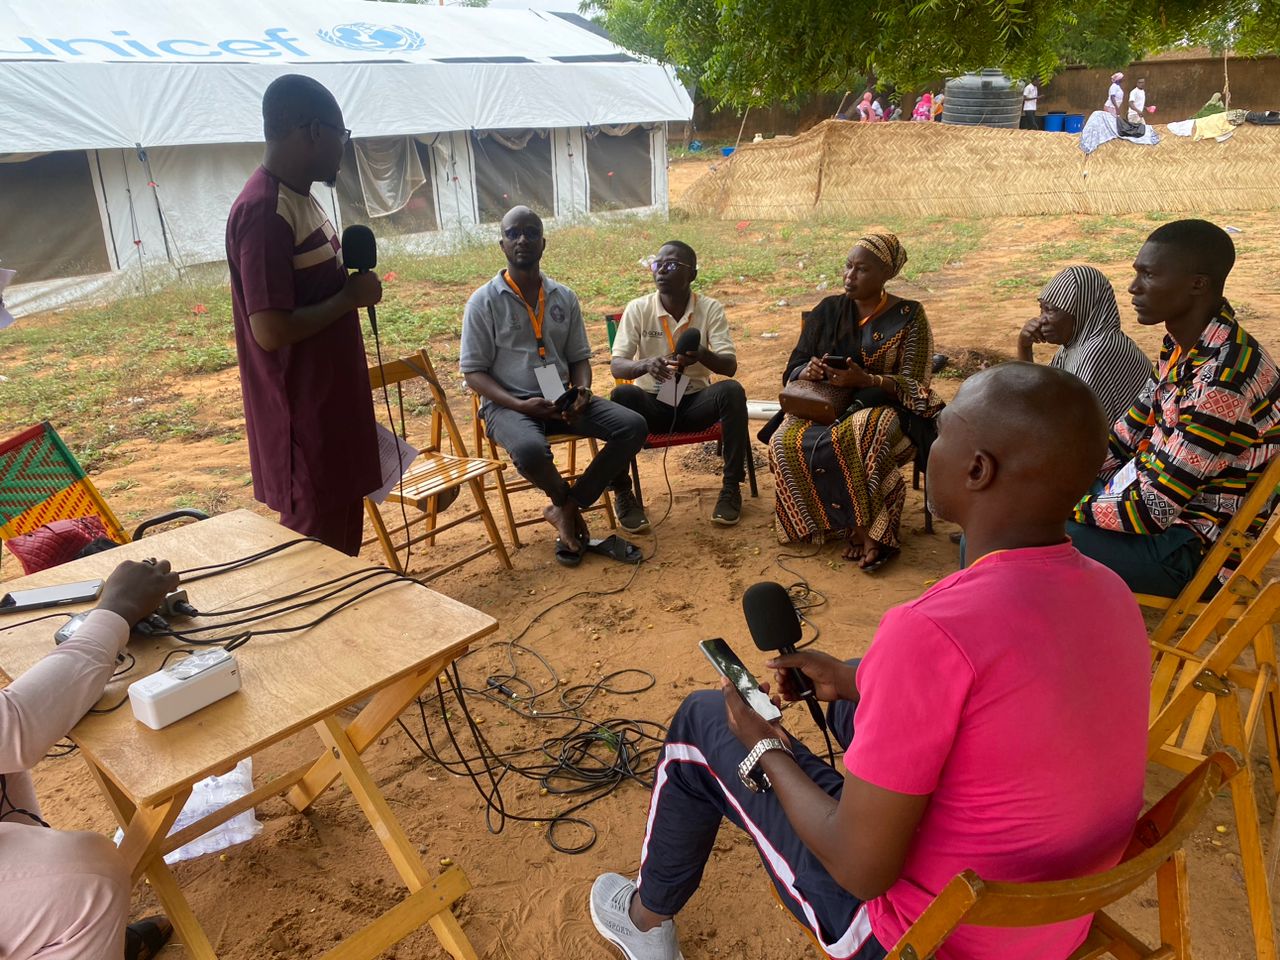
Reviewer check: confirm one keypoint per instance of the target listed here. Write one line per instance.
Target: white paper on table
(393, 463)
(549, 381)
(672, 391)
(6, 317)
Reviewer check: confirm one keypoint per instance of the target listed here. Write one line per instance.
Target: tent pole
(106, 205)
(151, 182)
(133, 223)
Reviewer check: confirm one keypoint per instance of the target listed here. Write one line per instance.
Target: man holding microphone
(303, 371)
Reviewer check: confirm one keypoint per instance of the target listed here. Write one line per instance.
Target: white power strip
(181, 689)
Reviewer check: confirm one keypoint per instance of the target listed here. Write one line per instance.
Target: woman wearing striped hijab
(1078, 312)
(846, 479)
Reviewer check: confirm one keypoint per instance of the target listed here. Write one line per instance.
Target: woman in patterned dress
(846, 479)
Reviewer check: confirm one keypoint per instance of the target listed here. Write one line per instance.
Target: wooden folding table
(383, 650)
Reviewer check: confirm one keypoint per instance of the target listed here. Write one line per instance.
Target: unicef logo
(373, 38)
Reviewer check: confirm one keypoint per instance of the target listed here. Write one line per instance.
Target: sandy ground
(308, 880)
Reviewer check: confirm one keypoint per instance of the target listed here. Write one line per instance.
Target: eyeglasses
(529, 233)
(345, 131)
(668, 266)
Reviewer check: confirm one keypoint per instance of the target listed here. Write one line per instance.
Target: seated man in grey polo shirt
(516, 323)
(644, 350)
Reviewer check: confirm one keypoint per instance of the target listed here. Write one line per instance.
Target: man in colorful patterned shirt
(1181, 461)
(308, 409)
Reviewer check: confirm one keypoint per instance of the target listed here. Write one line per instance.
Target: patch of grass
(205, 359)
(1018, 283)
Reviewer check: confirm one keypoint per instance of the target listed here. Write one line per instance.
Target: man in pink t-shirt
(1000, 717)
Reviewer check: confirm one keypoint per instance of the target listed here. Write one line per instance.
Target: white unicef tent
(127, 129)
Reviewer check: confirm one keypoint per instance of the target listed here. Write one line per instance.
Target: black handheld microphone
(689, 341)
(360, 253)
(771, 618)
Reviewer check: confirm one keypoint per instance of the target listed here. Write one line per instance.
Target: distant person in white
(1138, 101)
(1115, 95)
(1030, 98)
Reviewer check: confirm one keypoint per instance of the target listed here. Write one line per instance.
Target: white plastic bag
(209, 796)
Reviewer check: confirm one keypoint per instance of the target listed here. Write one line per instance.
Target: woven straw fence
(840, 169)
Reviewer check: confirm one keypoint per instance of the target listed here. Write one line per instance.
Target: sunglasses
(345, 131)
(668, 266)
(529, 233)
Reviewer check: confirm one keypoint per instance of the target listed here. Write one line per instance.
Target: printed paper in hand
(388, 444)
(671, 391)
(6, 317)
(549, 381)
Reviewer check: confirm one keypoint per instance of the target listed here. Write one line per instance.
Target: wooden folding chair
(568, 442)
(433, 474)
(1155, 850)
(1191, 687)
(1235, 539)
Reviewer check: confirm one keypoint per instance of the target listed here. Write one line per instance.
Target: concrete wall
(1178, 88)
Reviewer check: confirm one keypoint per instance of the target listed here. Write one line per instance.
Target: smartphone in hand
(567, 399)
(729, 666)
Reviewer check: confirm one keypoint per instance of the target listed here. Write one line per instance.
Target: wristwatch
(749, 772)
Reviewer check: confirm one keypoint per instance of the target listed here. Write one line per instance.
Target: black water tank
(987, 99)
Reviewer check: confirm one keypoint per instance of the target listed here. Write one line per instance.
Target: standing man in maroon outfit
(303, 372)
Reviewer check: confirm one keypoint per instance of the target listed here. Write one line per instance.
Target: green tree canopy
(745, 52)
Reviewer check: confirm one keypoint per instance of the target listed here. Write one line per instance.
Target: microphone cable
(590, 759)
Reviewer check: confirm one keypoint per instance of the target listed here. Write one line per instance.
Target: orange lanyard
(662, 318)
(884, 302)
(535, 319)
(1170, 366)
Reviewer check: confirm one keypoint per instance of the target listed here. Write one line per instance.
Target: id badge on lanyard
(547, 374)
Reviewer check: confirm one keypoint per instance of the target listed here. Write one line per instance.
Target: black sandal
(146, 938)
(886, 554)
(615, 548)
(566, 556)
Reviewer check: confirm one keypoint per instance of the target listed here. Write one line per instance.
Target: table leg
(152, 826)
(397, 844)
(378, 714)
(146, 832)
(1248, 830)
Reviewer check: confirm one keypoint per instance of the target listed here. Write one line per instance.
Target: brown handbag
(814, 400)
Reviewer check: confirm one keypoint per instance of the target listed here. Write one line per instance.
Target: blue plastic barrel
(725, 151)
(1074, 122)
(1054, 121)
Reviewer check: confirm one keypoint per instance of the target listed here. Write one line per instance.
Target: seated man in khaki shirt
(644, 350)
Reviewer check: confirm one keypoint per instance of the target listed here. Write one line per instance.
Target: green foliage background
(751, 52)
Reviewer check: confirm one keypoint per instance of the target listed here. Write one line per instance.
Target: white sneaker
(611, 913)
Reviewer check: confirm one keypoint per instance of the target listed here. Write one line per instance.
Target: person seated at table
(1078, 312)
(522, 320)
(644, 350)
(65, 894)
(1204, 427)
(980, 732)
(847, 477)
